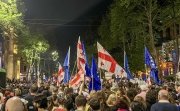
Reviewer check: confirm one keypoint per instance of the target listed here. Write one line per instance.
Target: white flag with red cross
(107, 62)
(60, 74)
(76, 80)
(81, 59)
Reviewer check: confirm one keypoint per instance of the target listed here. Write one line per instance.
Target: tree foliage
(31, 47)
(131, 24)
(10, 17)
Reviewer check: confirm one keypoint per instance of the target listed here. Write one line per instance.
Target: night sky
(63, 21)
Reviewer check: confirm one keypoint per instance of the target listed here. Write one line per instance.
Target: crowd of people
(114, 96)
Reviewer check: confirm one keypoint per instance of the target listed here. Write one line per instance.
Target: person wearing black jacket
(163, 103)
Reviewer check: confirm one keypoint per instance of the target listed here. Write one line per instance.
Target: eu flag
(95, 83)
(66, 67)
(151, 63)
(126, 67)
(149, 60)
(88, 70)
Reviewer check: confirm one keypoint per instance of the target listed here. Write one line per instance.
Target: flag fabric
(84, 52)
(60, 74)
(81, 59)
(95, 83)
(143, 76)
(87, 72)
(66, 67)
(126, 67)
(151, 63)
(149, 81)
(107, 62)
(87, 69)
(76, 80)
(149, 60)
(154, 75)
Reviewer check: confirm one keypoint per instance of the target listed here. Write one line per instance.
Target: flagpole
(124, 47)
(100, 77)
(69, 64)
(124, 59)
(74, 66)
(178, 64)
(146, 72)
(92, 82)
(145, 66)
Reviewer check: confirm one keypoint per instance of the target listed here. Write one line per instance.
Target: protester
(151, 97)
(30, 97)
(143, 92)
(40, 102)
(120, 96)
(163, 103)
(123, 104)
(15, 104)
(80, 103)
(137, 106)
(94, 104)
(61, 103)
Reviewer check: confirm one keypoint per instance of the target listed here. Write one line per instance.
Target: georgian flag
(81, 59)
(75, 81)
(107, 62)
(60, 73)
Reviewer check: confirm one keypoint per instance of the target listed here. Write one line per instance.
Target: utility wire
(61, 24)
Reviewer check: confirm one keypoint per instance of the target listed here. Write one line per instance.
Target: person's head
(151, 97)
(131, 93)
(46, 86)
(94, 104)
(139, 98)
(112, 100)
(80, 101)
(68, 104)
(123, 102)
(101, 96)
(68, 91)
(34, 88)
(143, 87)
(61, 100)
(14, 104)
(55, 91)
(137, 106)
(40, 101)
(165, 87)
(163, 95)
(17, 92)
(107, 86)
(120, 92)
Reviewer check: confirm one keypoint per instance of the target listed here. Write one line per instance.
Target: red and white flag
(81, 59)
(60, 74)
(148, 81)
(75, 81)
(107, 62)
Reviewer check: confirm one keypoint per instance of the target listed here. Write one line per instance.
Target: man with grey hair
(163, 103)
(144, 89)
(14, 104)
